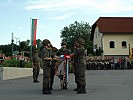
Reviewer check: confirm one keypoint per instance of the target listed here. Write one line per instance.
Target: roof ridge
(115, 17)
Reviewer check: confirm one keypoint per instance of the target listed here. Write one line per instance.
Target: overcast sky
(53, 15)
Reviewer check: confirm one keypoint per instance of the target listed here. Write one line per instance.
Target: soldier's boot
(61, 83)
(46, 91)
(37, 78)
(65, 85)
(78, 87)
(83, 89)
(79, 91)
(51, 86)
(34, 80)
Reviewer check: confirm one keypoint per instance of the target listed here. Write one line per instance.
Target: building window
(112, 44)
(124, 44)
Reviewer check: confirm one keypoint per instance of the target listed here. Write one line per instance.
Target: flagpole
(31, 38)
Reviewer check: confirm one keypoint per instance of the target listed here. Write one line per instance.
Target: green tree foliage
(23, 45)
(6, 49)
(39, 45)
(72, 32)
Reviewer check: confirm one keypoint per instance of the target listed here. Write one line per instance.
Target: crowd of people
(108, 63)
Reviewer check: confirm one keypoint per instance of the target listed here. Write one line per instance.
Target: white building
(113, 35)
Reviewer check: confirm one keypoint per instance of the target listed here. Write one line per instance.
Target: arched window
(112, 44)
(124, 44)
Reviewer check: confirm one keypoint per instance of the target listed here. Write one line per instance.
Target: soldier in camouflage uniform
(75, 68)
(52, 68)
(46, 59)
(36, 66)
(80, 65)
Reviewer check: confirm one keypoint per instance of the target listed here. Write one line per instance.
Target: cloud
(56, 4)
(62, 17)
(104, 6)
(113, 6)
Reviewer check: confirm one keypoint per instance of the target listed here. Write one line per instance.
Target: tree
(72, 32)
(23, 45)
(6, 49)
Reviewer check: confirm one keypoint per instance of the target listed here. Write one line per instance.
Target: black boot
(37, 81)
(81, 90)
(34, 80)
(78, 87)
(65, 85)
(46, 91)
(51, 87)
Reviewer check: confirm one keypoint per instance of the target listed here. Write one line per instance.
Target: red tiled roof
(115, 24)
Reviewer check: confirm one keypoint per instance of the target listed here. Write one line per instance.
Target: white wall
(97, 38)
(13, 72)
(117, 38)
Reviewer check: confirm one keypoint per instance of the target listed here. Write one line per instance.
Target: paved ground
(101, 85)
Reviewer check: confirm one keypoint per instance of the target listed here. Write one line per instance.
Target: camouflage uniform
(80, 65)
(46, 56)
(36, 66)
(75, 67)
(52, 68)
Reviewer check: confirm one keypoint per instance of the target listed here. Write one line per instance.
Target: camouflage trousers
(46, 76)
(75, 73)
(80, 74)
(36, 71)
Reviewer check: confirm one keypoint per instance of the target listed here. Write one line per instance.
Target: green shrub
(11, 63)
(28, 64)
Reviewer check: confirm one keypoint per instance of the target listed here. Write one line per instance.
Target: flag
(33, 32)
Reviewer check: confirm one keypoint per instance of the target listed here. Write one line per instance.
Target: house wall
(117, 38)
(97, 38)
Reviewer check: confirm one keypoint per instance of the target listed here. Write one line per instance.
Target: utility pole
(17, 41)
(12, 43)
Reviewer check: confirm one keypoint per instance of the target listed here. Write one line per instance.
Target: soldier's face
(49, 45)
(64, 46)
